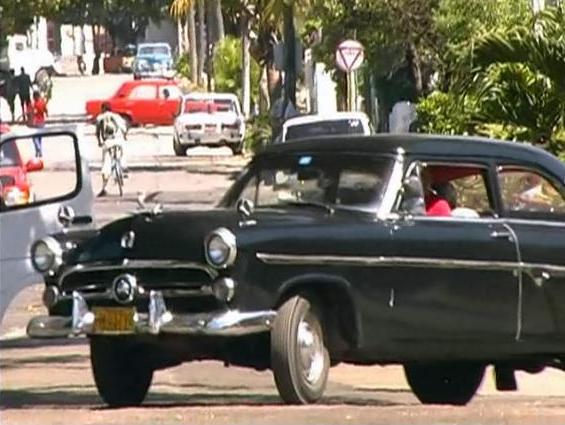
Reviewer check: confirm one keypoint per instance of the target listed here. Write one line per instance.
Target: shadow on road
(61, 397)
(25, 342)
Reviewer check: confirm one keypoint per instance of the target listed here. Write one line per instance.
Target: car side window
(143, 92)
(169, 92)
(451, 190)
(527, 192)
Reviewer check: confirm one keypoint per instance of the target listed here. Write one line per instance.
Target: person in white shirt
(111, 130)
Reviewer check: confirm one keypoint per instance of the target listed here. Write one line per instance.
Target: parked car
(326, 124)
(322, 252)
(141, 102)
(40, 64)
(210, 119)
(57, 204)
(14, 183)
(129, 53)
(153, 60)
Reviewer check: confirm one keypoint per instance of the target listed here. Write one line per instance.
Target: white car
(209, 119)
(327, 124)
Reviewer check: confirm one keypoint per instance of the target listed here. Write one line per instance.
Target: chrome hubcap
(310, 351)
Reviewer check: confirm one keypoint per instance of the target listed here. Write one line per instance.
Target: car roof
(204, 96)
(306, 119)
(153, 81)
(159, 43)
(423, 145)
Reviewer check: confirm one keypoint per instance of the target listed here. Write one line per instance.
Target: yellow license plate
(113, 319)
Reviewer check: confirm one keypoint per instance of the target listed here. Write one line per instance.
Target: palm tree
(532, 92)
(185, 9)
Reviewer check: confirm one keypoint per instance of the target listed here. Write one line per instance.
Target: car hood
(153, 58)
(179, 235)
(204, 118)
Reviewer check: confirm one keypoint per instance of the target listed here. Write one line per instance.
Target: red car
(142, 102)
(15, 188)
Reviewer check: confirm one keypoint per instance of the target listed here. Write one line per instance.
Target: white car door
(37, 197)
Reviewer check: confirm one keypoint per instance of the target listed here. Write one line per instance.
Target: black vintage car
(443, 254)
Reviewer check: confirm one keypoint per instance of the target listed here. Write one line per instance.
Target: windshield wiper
(326, 207)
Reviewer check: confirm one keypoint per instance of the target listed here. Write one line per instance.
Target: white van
(327, 124)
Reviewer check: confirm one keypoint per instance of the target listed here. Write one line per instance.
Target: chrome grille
(7, 181)
(175, 276)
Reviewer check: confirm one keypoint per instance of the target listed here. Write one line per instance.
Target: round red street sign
(349, 55)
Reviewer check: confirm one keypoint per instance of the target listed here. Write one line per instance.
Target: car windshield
(350, 181)
(320, 128)
(9, 155)
(153, 50)
(209, 106)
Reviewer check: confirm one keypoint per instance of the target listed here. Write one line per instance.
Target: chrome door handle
(501, 235)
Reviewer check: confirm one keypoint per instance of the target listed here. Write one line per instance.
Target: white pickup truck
(38, 63)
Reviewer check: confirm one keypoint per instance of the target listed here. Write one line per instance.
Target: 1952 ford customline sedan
(326, 251)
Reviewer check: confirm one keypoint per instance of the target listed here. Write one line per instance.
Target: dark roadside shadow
(66, 359)
(85, 396)
(25, 342)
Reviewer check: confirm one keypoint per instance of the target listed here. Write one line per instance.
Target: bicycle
(117, 171)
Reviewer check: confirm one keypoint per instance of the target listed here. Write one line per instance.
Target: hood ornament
(128, 240)
(245, 207)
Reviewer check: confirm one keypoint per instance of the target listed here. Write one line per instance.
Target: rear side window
(527, 193)
(323, 128)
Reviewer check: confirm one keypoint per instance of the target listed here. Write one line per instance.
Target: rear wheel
(444, 383)
(179, 149)
(120, 373)
(299, 358)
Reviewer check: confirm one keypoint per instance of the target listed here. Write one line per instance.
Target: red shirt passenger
(437, 207)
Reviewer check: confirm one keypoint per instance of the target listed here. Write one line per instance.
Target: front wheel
(444, 383)
(299, 358)
(120, 373)
(179, 149)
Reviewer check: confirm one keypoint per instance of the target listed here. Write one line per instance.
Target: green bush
(183, 66)
(227, 68)
(258, 134)
(445, 113)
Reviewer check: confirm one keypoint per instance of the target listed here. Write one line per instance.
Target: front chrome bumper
(157, 321)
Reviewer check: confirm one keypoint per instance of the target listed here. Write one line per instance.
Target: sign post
(349, 56)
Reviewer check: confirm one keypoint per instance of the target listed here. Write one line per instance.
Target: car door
(168, 103)
(533, 204)
(143, 103)
(453, 278)
(33, 207)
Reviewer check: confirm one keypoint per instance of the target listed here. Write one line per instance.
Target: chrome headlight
(46, 255)
(220, 248)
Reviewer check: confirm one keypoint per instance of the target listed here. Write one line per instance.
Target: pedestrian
(11, 93)
(38, 115)
(24, 89)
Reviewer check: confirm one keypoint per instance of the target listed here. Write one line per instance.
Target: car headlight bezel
(52, 252)
(220, 248)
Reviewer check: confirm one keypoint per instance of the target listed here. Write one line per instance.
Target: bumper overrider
(158, 320)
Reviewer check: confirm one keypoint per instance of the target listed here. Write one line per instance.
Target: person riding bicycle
(111, 132)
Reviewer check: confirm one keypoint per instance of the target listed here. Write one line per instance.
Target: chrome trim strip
(382, 261)
(205, 290)
(138, 264)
